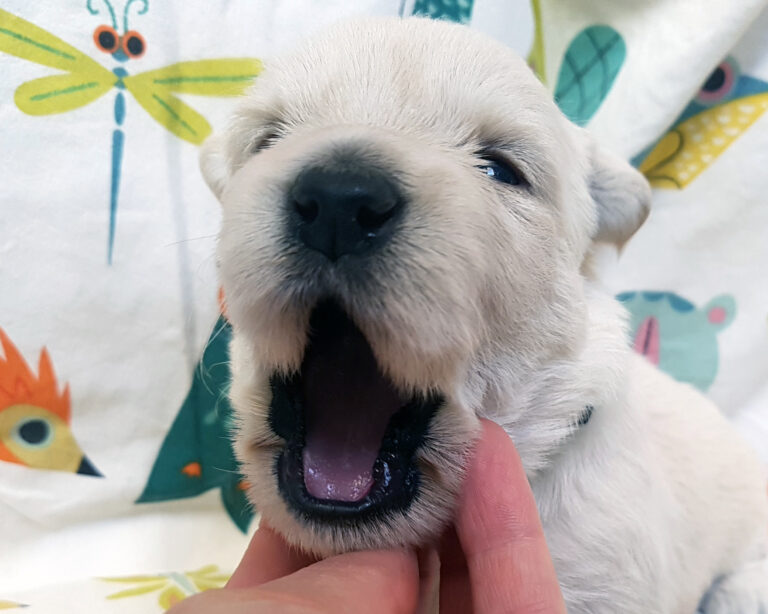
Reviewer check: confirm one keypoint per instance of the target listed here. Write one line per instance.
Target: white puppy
(408, 223)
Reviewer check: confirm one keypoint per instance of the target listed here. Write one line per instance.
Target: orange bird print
(35, 416)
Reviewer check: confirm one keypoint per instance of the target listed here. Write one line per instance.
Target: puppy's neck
(546, 408)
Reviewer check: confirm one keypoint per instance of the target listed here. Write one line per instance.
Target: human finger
(267, 558)
(455, 591)
(509, 565)
(375, 582)
(379, 581)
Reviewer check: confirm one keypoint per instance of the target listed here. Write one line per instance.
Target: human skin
(494, 559)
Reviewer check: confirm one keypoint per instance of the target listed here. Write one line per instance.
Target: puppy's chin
(338, 457)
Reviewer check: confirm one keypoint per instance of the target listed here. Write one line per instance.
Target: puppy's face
(405, 217)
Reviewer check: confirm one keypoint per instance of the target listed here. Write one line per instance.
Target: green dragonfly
(84, 80)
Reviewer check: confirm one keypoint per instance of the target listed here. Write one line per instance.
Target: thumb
(376, 582)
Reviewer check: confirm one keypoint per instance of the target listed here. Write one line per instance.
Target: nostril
(371, 220)
(346, 211)
(307, 209)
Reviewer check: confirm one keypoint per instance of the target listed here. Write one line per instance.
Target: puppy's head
(405, 216)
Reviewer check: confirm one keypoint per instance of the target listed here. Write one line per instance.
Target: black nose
(347, 211)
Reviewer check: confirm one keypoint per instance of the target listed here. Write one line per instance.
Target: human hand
(495, 559)
(273, 577)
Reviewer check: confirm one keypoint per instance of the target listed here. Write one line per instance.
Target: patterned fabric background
(114, 455)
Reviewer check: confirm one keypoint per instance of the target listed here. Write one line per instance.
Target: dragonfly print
(85, 80)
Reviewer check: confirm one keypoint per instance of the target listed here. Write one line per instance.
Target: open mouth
(351, 437)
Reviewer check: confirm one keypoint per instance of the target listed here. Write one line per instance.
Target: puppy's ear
(214, 164)
(622, 196)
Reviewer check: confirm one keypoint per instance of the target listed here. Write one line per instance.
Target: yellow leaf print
(172, 587)
(170, 597)
(137, 590)
(691, 147)
(208, 577)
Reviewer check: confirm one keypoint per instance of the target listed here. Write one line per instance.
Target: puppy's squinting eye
(265, 142)
(497, 168)
(268, 136)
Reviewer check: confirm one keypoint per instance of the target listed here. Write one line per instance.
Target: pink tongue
(347, 405)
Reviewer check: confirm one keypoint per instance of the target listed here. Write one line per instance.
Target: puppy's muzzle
(351, 436)
(347, 210)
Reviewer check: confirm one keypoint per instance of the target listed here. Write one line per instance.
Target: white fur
(484, 293)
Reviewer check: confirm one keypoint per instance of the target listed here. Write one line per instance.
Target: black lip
(396, 476)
